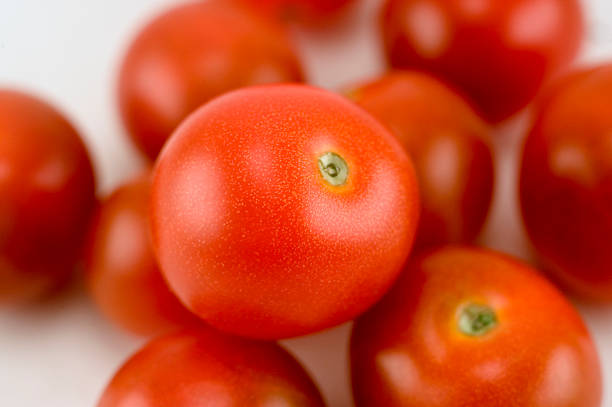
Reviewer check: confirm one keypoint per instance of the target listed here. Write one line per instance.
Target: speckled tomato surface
(122, 273)
(207, 368)
(282, 210)
(465, 327)
(298, 10)
(47, 195)
(189, 55)
(498, 52)
(566, 182)
(449, 145)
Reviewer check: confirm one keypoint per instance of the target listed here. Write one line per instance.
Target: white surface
(62, 354)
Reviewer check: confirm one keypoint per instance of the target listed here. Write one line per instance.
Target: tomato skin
(47, 195)
(449, 146)
(300, 10)
(499, 53)
(191, 54)
(566, 182)
(410, 351)
(122, 274)
(251, 236)
(207, 368)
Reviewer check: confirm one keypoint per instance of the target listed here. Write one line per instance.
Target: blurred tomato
(300, 10)
(498, 52)
(207, 368)
(123, 276)
(449, 146)
(566, 182)
(191, 54)
(282, 210)
(47, 195)
(466, 327)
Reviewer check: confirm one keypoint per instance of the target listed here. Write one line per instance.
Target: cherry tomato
(298, 10)
(466, 327)
(47, 195)
(449, 145)
(123, 276)
(282, 210)
(207, 368)
(191, 54)
(566, 182)
(498, 52)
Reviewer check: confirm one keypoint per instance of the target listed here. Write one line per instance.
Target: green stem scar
(333, 169)
(477, 320)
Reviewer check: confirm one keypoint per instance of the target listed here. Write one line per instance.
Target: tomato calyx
(477, 320)
(333, 169)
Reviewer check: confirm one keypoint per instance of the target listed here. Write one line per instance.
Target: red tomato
(498, 52)
(449, 145)
(282, 210)
(207, 368)
(123, 276)
(47, 195)
(466, 327)
(566, 182)
(301, 10)
(191, 54)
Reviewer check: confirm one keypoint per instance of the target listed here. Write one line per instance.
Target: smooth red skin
(408, 350)
(449, 145)
(251, 237)
(47, 195)
(482, 54)
(207, 368)
(122, 274)
(566, 183)
(300, 10)
(191, 54)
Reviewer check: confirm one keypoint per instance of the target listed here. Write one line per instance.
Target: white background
(62, 353)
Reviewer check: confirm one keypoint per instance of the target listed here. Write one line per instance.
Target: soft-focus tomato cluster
(277, 209)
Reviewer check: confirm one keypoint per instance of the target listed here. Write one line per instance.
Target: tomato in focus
(499, 53)
(449, 145)
(47, 195)
(282, 210)
(466, 327)
(298, 10)
(566, 182)
(191, 54)
(207, 368)
(122, 273)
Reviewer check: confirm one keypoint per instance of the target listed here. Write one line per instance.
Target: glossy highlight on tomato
(298, 10)
(207, 368)
(47, 195)
(449, 145)
(122, 273)
(282, 210)
(468, 327)
(499, 53)
(189, 55)
(566, 182)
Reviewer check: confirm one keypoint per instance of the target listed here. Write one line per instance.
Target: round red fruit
(449, 145)
(282, 210)
(122, 273)
(499, 53)
(466, 327)
(207, 368)
(191, 54)
(566, 182)
(47, 195)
